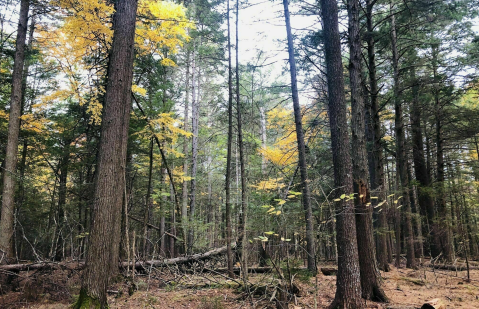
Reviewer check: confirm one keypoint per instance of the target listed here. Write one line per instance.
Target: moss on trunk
(86, 301)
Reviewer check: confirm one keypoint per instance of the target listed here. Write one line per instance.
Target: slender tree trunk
(146, 217)
(184, 205)
(195, 113)
(426, 201)
(229, 232)
(370, 277)
(348, 284)
(103, 252)
(306, 198)
(10, 173)
(444, 229)
(241, 243)
(378, 182)
(401, 153)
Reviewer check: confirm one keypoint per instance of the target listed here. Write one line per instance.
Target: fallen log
(237, 270)
(138, 265)
(453, 267)
(329, 271)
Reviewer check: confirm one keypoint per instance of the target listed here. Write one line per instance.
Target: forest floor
(406, 288)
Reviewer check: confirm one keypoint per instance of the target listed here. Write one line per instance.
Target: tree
(9, 178)
(103, 251)
(348, 284)
(401, 158)
(229, 232)
(370, 277)
(306, 199)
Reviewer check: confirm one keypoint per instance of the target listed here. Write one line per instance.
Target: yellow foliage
(166, 129)
(270, 184)
(138, 90)
(284, 152)
(85, 32)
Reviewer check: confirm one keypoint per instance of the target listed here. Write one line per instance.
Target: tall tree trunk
(9, 178)
(401, 157)
(306, 198)
(146, 216)
(62, 196)
(370, 277)
(444, 229)
(184, 205)
(348, 284)
(229, 232)
(103, 252)
(378, 181)
(426, 201)
(195, 113)
(241, 243)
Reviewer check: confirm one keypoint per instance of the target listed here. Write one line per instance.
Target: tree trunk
(370, 277)
(103, 252)
(401, 153)
(9, 178)
(195, 113)
(426, 201)
(241, 242)
(184, 205)
(229, 232)
(306, 198)
(443, 220)
(146, 216)
(348, 284)
(378, 181)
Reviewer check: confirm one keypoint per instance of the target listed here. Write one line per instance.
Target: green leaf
(269, 233)
(343, 196)
(337, 199)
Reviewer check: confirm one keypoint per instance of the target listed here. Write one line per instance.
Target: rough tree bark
(184, 205)
(148, 204)
(195, 113)
(306, 198)
(378, 181)
(241, 242)
(348, 284)
(9, 178)
(370, 277)
(401, 152)
(229, 253)
(103, 252)
(443, 213)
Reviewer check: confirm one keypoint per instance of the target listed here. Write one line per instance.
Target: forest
(217, 154)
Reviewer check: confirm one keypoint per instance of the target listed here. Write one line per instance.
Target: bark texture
(306, 198)
(401, 157)
(348, 284)
(9, 179)
(370, 277)
(378, 181)
(229, 232)
(103, 253)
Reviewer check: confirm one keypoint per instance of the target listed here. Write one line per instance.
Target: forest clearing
(218, 154)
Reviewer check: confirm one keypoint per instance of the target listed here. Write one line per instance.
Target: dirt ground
(406, 289)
